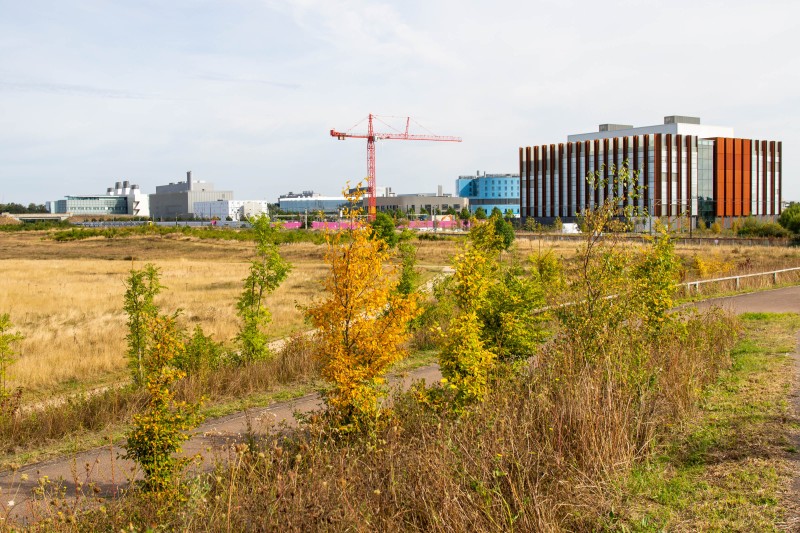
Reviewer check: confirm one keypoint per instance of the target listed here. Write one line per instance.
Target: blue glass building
(489, 191)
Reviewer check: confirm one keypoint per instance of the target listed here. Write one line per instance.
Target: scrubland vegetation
(564, 373)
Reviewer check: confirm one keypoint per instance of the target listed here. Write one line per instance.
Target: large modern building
(122, 199)
(685, 169)
(177, 200)
(490, 191)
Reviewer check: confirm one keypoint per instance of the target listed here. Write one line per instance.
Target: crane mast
(371, 136)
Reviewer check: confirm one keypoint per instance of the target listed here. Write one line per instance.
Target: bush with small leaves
(157, 434)
(267, 272)
(141, 288)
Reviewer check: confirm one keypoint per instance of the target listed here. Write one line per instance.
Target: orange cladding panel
(747, 175)
(737, 177)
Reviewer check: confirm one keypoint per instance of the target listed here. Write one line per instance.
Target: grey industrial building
(419, 202)
(177, 200)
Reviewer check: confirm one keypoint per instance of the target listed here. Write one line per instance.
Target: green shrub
(790, 218)
(755, 228)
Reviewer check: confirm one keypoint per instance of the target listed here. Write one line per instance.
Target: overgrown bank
(732, 467)
(519, 435)
(542, 452)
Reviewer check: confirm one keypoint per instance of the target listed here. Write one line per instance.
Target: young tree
(790, 218)
(503, 229)
(409, 277)
(141, 288)
(493, 318)
(266, 273)
(362, 323)
(157, 433)
(615, 289)
(480, 213)
(383, 228)
(655, 276)
(465, 360)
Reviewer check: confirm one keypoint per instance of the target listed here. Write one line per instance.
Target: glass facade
(491, 190)
(681, 175)
(93, 205)
(706, 207)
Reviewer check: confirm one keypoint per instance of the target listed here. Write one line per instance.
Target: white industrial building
(235, 209)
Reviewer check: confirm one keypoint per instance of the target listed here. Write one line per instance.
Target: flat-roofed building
(122, 199)
(233, 209)
(177, 200)
(489, 191)
(432, 203)
(685, 169)
(311, 202)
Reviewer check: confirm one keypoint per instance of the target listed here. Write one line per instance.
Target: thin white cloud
(245, 92)
(70, 89)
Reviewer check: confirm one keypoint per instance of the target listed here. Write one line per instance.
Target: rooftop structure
(673, 125)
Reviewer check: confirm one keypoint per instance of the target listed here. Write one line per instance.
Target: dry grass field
(66, 297)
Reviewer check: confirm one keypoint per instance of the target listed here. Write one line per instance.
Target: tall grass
(70, 312)
(541, 454)
(92, 412)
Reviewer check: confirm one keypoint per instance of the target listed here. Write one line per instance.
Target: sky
(244, 93)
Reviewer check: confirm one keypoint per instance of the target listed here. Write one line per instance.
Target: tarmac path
(109, 473)
(104, 469)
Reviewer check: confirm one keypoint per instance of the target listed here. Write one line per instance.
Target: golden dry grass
(70, 310)
(66, 298)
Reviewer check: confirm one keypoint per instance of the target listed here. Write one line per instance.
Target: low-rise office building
(683, 170)
(311, 202)
(417, 203)
(122, 199)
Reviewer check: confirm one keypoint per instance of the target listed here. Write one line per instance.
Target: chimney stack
(189, 179)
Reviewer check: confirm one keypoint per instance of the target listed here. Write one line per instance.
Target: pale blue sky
(244, 92)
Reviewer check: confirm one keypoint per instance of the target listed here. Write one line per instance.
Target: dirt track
(105, 470)
(109, 473)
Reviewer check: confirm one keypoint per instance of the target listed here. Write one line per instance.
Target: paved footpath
(109, 473)
(786, 300)
(105, 470)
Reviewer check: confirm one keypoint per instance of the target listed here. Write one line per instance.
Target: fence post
(737, 283)
(774, 278)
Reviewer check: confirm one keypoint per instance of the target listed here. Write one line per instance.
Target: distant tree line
(21, 209)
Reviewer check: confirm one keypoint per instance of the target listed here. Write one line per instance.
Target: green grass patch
(200, 232)
(728, 468)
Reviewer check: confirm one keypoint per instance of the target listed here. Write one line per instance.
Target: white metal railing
(688, 285)
(737, 279)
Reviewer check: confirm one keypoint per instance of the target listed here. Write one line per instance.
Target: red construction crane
(371, 136)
